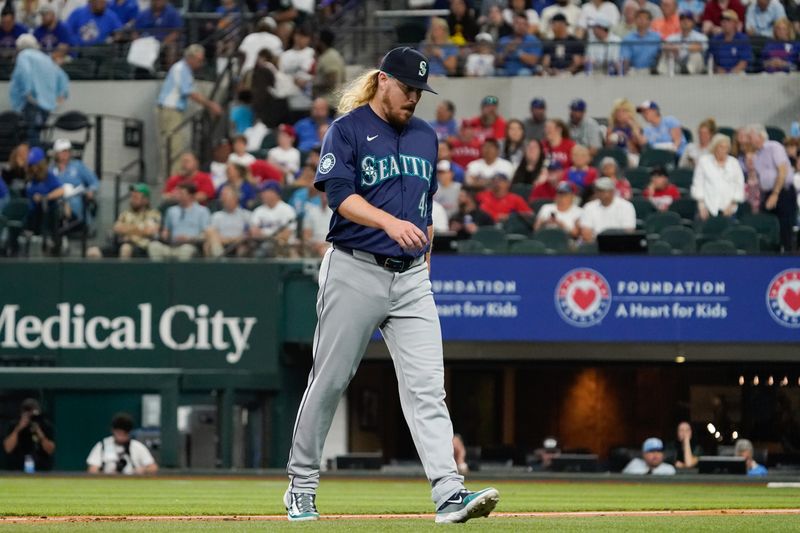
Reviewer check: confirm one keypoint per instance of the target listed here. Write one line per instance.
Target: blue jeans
(35, 118)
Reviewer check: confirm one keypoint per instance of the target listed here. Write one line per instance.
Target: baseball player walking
(377, 167)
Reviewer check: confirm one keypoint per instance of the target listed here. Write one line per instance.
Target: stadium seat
(587, 248)
(73, 121)
(719, 247)
(743, 238)
(767, 227)
(685, 207)
(657, 247)
(537, 204)
(81, 69)
(656, 222)
(12, 132)
(522, 189)
(515, 223)
(528, 247)
(653, 157)
(711, 229)
(726, 130)
(644, 207)
(618, 154)
(6, 68)
(682, 178)
(688, 134)
(554, 239)
(775, 133)
(744, 209)
(638, 177)
(491, 238)
(469, 246)
(680, 239)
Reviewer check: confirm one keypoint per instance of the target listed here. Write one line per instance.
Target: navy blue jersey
(393, 170)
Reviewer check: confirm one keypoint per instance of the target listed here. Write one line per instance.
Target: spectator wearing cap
(744, 448)
(684, 52)
(445, 123)
(662, 132)
(518, 54)
(669, 23)
(660, 191)
(480, 62)
(44, 191)
(695, 7)
(37, 86)
(126, 10)
(137, 226)
(228, 229)
(761, 17)
(534, 125)
(463, 23)
(298, 61)
(563, 213)
(262, 37)
(10, 29)
(564, 53)
(530, 168)
(285, 156)
(441, 53)
(557, 144)
(189, 173)
(495, 24)
(466, 148)
(240, 179)
(695, 149)
(609, 168)
(53, 35)
(712, 15)
(730, 49)
(94, 24)
(522, 8)
(445, 154)
(498, 201)
(640, 48)
(607, 211)
(627, 22)
(603, 49)
(652, 460)
(547, 187)
(782, 53)
(513, 146)
(718, 182)
(306, 128)
(581, 174)
(449, 189)
(591, 11)
(490, 125)
(80, 183)
(184, 228)
(480, 171)
(569, 10)
(584, 129)
(329, 72)
(274, 222)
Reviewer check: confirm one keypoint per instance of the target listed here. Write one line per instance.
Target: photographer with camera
(30, 445)
(119, 453)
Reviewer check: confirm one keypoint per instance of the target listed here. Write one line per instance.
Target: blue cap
(407, 65)
(538, 103)
(554, 165)
(578, 105)
(647, 104)
(35, 155)
(270, 185)
(686, 14)
(653, 444)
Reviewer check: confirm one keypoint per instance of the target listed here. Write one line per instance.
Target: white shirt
(318, 220)
(603, 53)
(448, 197)
(619, 214)
(246, 159)
(287, 160)
(482, 170)
(531, 14)
(589, 13)
(480, 65)
(107, 453)
(272, 220)
(691, 155)
(569, 217)
(254, 43)
(683, 42)
(638, 466)
(297, 62)
(439, 215)
(717, 186)
(231, 225)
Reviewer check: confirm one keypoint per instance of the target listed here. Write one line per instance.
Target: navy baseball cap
(555, 165)
(538, 103)
(270, 185)
(578, 105)
(407, 65)
(647, 104)
(686, 14)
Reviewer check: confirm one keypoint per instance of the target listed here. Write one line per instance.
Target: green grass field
(79, 496)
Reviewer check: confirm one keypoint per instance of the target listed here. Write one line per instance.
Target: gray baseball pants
(355, 297)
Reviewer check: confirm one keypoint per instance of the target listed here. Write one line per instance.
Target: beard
(397, 117)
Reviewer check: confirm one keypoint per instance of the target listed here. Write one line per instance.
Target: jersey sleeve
(96, 456)
(140, 454)
(338, 159)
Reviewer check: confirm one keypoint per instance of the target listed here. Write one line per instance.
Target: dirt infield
(274, 518)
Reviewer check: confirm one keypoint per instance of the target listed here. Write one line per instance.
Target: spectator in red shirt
(499, 202)
(465, 148)
(581, 173)
(610, 169)
(660, 191)
(547, 189)
(489, 123)
(190, 173)
(265, 171)
(557, 145)
(712, 15)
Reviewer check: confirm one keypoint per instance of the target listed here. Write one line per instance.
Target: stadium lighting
(718, 435)
(770, 381)
(711, 429)
(735, 435)
(680, 359)
(755, 380)
(784, 381)
(741, 380)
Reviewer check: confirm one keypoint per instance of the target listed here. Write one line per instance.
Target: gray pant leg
(351, 303)
(414, 338)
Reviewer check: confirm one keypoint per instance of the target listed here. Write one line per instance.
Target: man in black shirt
(30, 436)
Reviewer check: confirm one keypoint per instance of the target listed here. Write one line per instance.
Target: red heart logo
(792, 299)
(584, 298)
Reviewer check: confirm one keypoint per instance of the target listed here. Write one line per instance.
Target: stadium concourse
(614, 266)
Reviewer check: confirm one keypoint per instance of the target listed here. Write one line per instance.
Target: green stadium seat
(554, 239)
(682, 178)
(469, 246)
(81, 69)
(712, 228)
(767, 227)
(491, 238)
(644, 207)
(775, 133)
(656, 222)
(528, 247)
(537, 204)
(718, 247)
(618, 154)
(685, 207)
(680, 239)
(653, 157)
(688, 134)
(726, 130)
(522, 189)
(639, 177)
(744, 209)
(743, 238)
(587, 248)
(657, 247)
(516, 223)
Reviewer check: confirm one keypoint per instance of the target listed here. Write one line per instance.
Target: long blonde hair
(621, 103)
(359, 91)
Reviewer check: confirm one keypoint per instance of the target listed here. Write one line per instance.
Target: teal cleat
(465, 505)
(300, 506)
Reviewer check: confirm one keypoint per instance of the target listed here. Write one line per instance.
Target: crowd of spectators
(617, 37)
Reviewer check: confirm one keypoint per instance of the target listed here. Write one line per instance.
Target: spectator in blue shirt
(184, 227)
(519, 54)
(126, 10)
(241, 180)
(744, 448)
(640, 49)
(241, 113)
(731, 49)
(761, 17)
(93, 24)
(781, 54)
(80, 183)
(441, 53)
(662, 132)
(445, 123)
(161, 21)
(53, 35)
(5, 195)
(10, 29)
(43, 192)
(307, 128)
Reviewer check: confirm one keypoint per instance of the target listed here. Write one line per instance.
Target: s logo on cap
(423, 68)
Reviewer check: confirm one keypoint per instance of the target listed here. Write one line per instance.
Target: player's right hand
(406, 234)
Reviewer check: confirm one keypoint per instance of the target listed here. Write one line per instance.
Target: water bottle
(795, 132)
(29, 465)
(588, 67)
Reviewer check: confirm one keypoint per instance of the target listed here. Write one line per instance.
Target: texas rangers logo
(326, 163)
(783, 298)
(583, 297)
